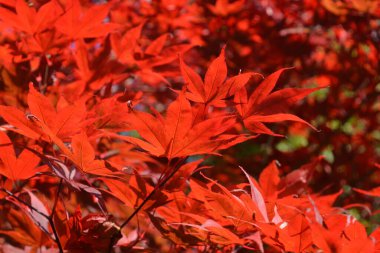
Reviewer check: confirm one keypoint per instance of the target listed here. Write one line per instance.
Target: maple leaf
(172, 233)
(154, 66)
(28, 20)
(70, 176)
(38, 213)
(125, 46)
(10, 3)
(219, 204)
(212, 229)
(24, 231)
(257, 196)
(375, 192)
(224, 204)
(110, 113)
(214, 90)
(182, 175)
(176, 135)
(356, 239)
(224, 8)
(94, 72)
(338, 8)
(265, 107)
(133, 192)
(269, 180)
(296, 235)
(76, 53)
(146, 62)
(297, 180)
(19, 122)
(376, 234)
(79, 23)
(64, 121)
(342, 234)
(53, 123)
(85, 231)
(59, 124)
(17, 168)
(370, 6)
(37, 27)
(83, 155)
(224, 210)
(323, 238)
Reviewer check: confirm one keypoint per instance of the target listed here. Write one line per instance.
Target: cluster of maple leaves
(124, 124)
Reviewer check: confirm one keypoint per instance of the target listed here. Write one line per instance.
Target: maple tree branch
(51, 221)
(56, 197)
(160, 184)
(23, 202)
(164, 172)
(49, 218)
(57, 241)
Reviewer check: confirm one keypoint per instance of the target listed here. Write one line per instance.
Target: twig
(49, 218)
(23, 202)
(137, 210)
(51, 221)
(56, 197)
(57, 241)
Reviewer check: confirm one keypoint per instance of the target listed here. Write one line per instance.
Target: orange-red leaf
(83, 155)
(17, 168)
(269, 180)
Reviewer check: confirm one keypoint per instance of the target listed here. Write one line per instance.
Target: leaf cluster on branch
(147, 126)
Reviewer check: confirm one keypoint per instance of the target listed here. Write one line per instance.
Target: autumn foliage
(189, 126)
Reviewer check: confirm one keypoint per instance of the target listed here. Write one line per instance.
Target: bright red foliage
(130, 126)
